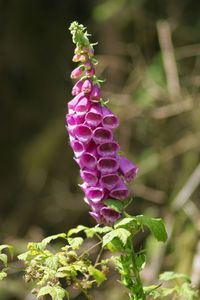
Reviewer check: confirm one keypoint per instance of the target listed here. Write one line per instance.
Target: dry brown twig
(167, 50)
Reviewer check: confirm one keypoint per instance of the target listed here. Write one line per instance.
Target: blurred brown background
(149, 54)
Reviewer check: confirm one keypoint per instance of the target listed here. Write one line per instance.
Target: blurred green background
(149, 54)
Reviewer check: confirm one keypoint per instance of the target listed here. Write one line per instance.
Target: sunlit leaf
(98, 275)
(120, 233)
(156, 226)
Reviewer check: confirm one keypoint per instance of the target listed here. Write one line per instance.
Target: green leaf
(102, 230)
(2, 275)
(151, 288)
(140, 261)
(185, 291)
(76, 230)
(76, 242)
(23, 256)
(120, 233)
(125, 221)
(98, 275)
(10, 249)
(48, 239)
(115, 245)
(156, 226)
(52, 262)
(4, 259)
(56, 292)
(116, 205)
(166, 276)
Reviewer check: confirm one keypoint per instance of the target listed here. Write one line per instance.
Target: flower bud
(77, 72)
(76, 58)
(87, 86)
(77, 87)
(95, 93)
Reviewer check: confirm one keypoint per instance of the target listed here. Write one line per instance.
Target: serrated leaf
(76, 242)
(102, 230)
(125, 221)
(52, 262)
(115, 245)
(4, 259)
(185, 291)
(2, 275)
(23, 256)
(9, 247)
(116, 205)
(155, 225)
(56, 292)
(120, 233)
(48, 239)
(166, 276)
(76, 230)
(45, 290)
(97, 274)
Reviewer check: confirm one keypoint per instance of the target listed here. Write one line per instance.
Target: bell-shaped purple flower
(87, 160)
(120, 191)
(109, 181)
(109, 215)
(83, 133)
(90, 125)
(107, 165)
(127, 168)
(94, 116)
(110, 148)
(102, 135)
(77, 147)
(109, 119)
(94, 194)
(82, 106)
(90, 177)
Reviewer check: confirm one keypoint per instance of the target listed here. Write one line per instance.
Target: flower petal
(127, 168)
(102, 135)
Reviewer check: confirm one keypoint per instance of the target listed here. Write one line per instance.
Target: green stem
(138, 293)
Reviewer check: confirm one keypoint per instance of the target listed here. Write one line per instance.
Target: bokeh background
(149, 54)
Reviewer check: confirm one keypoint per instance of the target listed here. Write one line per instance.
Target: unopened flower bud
(76, 73)
(87, 86)
(95, 95)
(76, 58)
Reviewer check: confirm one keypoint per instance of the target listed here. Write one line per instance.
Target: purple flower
(90, 126)
(77, 87)
(127, 168)
(95, 94)
(109, 119)
(87, 86)
(94, 116)
(76, 73)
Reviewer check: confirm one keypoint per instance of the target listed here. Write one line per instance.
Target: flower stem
(138, 291)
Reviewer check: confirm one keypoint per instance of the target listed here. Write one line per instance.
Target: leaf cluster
(4, 259)
(53, 271)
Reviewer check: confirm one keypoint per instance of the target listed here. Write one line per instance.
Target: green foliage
(179, 288)
(56, 292)
(120, 233)
(45, 267)
(4, 259)
(79, 34)
(53, 269)
(156, 226)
